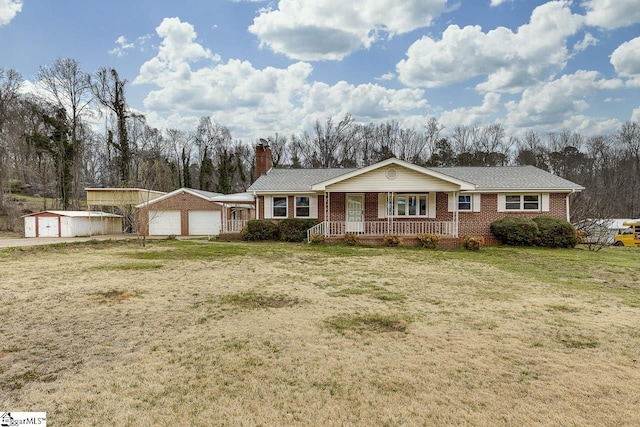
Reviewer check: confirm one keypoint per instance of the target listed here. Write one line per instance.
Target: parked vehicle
(630, 236)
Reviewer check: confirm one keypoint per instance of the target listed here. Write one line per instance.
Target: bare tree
(432, 135)
(329, 139)
(629, 137)
(108, 89)
(69, 87)
(10, 82)
(182, 145)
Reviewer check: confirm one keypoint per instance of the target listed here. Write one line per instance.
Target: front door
(355, 213)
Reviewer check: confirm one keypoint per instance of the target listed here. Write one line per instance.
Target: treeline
(82, 133)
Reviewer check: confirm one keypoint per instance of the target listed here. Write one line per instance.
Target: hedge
(295, 229)
(260, 229)
(543, 231)
(288, 230)
(515, 231)
(556, 232)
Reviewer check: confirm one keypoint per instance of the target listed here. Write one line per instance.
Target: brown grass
(270, 334)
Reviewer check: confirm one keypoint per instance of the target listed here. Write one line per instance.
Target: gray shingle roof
(294, 180)
(203, 193)
(498, 178)
(509, 178)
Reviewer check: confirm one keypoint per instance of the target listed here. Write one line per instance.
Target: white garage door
(164, 223)
(204, 223)
(48, 226)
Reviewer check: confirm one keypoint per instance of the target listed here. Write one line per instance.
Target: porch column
(223, 217)
(386, 212)
(455, 214)
(327, 214)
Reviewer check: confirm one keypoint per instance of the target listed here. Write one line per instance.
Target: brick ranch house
(397, 197)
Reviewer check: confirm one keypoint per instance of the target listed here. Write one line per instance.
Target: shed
(603, 230)
(182, 212)
(71, 224)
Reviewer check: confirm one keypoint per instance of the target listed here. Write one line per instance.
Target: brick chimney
(264, 161)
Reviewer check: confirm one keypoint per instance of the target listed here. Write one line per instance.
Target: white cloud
(512, 61)
(177, 50)
(498, 2)
(554, 104)
(386, 77)
(478, 115)
(611, 14)
(142, 42)
(626, 61)
(587, 41)
(635, 115)
(122, 46)
(252, 101)
(331, 29)
(8, 10)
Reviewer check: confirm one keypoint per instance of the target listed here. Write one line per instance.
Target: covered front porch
(376, 214)
(380, 228)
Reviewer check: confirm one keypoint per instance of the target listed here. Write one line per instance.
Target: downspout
(567, 207)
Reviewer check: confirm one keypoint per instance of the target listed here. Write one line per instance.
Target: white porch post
(327, 214)
(386, 209)
(224, 218)
(456, 223)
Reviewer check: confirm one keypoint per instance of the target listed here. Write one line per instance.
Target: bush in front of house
(472, 243)
(295, 229)
(316, 238)
(351, 239)
(260, 229)
(391, 240)
(515, 231)
(429, 241)
(555, 232)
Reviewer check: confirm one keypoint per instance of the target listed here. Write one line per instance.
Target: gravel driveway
(37, 241)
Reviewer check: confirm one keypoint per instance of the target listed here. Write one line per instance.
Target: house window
(464, 202)
(525, 202)
(302, 207)
(279, 207)
(410, 205)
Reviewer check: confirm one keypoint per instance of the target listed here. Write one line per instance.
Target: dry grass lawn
(205, 333)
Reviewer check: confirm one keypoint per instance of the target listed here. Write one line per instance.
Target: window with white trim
(522, 202)
(464, 202)
(279, 207)
(303, 207)
(410, 205)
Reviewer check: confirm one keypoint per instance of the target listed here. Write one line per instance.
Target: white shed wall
(29, 226)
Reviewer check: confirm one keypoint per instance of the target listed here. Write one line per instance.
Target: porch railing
(233, 225)
(379, 228)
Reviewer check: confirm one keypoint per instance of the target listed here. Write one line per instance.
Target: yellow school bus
(630, 236)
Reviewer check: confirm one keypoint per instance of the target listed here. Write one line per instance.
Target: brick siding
(475, 224)
(184, 202)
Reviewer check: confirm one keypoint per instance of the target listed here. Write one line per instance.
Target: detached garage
(183, 212)
(71, 224)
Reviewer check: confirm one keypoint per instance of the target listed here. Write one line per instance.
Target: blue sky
(261, 67)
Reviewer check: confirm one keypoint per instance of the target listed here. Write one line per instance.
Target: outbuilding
(71, 224)
(182, 212)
